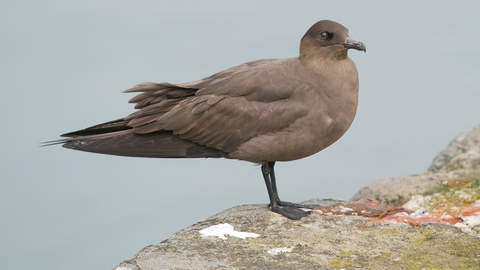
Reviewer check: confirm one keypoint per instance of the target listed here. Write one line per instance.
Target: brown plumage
(261, 111)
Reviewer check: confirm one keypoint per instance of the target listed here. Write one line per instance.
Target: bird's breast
(331, 101)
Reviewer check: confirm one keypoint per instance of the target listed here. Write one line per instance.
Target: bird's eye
(324, 35)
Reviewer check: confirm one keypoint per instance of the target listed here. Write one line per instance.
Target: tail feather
(162, 144)
(108, 127)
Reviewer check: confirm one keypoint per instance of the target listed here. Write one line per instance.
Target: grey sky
(64, 64)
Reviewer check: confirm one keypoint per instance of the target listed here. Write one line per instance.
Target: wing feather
(224, 110)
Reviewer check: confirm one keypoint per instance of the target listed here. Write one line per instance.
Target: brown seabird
(261, 111)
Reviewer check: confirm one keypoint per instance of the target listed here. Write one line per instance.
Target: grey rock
(396, 191)
(319, 241)
(459, 161)
(322, 202)
(323, 241)
(466, 146)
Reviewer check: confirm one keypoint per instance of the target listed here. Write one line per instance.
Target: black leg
(275, 192)
(273, 180)
(289, 210)
(266, 171)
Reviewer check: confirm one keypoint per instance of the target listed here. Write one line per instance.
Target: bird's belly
(300, 140)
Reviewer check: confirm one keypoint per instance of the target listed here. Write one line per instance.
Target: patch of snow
(221, 230)
(277, 251)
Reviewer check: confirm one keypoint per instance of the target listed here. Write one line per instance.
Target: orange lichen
(378, 213)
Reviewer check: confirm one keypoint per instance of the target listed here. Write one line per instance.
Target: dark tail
(116, 138)
(108, 127)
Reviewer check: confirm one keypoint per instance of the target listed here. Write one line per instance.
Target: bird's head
(328, 40)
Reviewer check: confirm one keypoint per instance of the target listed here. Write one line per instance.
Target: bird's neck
(311, 52)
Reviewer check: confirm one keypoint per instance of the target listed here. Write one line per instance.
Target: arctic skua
(262, 111)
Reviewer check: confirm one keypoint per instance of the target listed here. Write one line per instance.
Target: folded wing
(219, 112)
(228, 108)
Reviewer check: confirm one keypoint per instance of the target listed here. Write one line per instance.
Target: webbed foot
(290, 212)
